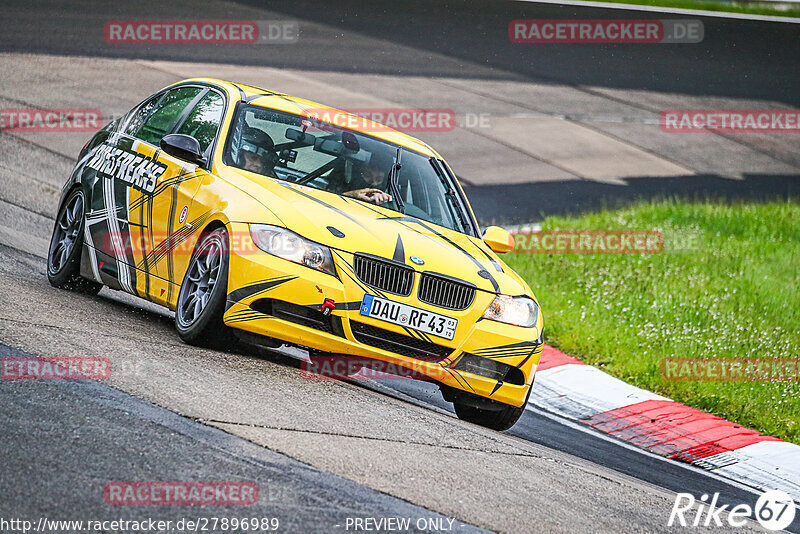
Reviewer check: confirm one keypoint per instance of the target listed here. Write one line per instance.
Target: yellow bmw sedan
(258, 215)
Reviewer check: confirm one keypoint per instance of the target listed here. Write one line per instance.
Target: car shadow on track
(119, 302)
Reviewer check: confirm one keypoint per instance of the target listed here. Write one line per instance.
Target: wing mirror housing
(498, 240)
(183, 147)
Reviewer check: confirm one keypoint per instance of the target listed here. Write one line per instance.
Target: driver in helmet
(368, 180)
(255, 150)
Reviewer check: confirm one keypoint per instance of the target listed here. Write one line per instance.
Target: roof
(300, 106)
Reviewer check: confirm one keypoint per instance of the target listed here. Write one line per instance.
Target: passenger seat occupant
(255, 151)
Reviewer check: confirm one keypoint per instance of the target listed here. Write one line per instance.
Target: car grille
(384, 275)
(446, 293)
(399, 343)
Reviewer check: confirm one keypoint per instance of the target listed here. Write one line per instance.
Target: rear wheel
(201, 301)
(66, 245)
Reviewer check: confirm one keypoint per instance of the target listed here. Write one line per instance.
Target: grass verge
(727, 284)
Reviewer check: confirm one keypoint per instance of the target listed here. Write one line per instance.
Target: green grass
(750, 8)
(734, 293)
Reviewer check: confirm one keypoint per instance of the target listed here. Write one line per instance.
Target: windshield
(346, 162)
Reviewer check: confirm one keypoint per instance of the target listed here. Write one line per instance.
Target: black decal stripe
(509, 351)
(333, 208)
(455, 374)
(248, 291)
(497, 266)
(149, 205)
(399, 253)
(520, 345)
(252, 315)
(504, 352)
(179, 178)
(411, 332)
(496, 387)
(348, 306)
(535, 352)
(144, 265)
(520, 364)
(451, 243)
(169, 243)
(502, 356)
(246, 319)
(426, 337)
(176, 238)
(355, 279)
(170, 229)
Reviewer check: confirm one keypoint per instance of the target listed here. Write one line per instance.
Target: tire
(66, 246)
(201, 300)
(501, 419)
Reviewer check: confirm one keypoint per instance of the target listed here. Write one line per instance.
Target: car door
(135, 189)
(175, 218)
(118, 176)
(163, 220)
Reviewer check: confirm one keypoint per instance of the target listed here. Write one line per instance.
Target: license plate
(409, 316)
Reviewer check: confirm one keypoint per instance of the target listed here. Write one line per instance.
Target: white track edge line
(667, 10)
(605, 437)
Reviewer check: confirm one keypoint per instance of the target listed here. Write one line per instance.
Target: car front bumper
(273, 297)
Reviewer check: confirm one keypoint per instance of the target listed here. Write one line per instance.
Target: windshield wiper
(450, 193)
(394, 182)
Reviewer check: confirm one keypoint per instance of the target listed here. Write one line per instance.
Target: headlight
(290, 246)
(519, 311)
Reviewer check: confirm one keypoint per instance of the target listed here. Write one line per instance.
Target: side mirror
(498, 239)
(183, 147)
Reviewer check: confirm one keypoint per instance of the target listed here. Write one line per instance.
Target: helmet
(256, 141)
(380, 161)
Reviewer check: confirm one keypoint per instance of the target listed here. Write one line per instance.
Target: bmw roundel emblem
(417, 260)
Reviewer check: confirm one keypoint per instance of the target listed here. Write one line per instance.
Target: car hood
(321, 216)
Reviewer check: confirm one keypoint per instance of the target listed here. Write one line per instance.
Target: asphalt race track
(324, 451)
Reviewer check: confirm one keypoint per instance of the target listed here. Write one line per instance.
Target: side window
(141, 114)
(162, 119)
(204, 120)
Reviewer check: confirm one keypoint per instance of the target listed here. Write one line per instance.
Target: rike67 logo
(774, 510)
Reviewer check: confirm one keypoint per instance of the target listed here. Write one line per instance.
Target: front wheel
(66, 245)
(498, 417)
(201, 301)
(502, 419)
